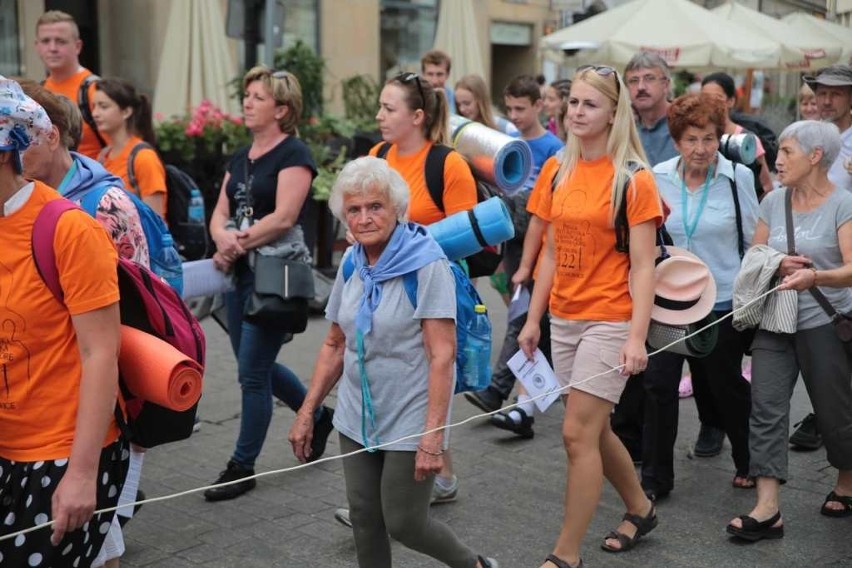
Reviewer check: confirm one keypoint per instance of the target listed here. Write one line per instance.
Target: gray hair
(813, 134)
(363, 175)
(648, 60)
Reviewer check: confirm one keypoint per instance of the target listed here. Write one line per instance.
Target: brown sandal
(643, 525)
(743, 482)
(559, 563)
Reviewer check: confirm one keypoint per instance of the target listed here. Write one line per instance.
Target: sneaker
(807, 436)
(342, 517)
(487, 399)
(322, 429)
(709, 442)
(505, 421)
(488, 562)
(445, 495)
(232, 472)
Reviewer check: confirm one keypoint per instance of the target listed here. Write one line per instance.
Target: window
(408, 31)
(10, 47)
(300, 22)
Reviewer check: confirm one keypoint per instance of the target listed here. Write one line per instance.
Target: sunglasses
(603, 71)
(282, 75)
(406, 78)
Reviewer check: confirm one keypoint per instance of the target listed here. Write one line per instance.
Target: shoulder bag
(283, 281)
(841, 322)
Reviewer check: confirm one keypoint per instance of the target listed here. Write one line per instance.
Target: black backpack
(486, 261)
(190, 237)
(757, 126)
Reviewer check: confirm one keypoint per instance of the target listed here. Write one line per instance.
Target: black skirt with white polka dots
(26, 492)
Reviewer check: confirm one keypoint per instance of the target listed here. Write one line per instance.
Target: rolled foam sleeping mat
(496, 158)
(456, 233)
(154, 370)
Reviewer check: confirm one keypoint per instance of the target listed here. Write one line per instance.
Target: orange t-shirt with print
(70, 88)
(459, 185)
(543, 184)
(590, 282)
(148, 169)
(39, 355)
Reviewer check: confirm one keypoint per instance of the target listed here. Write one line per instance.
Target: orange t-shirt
(459, 185)
(543, 184)
(591, 276)
(39, 354)
(70, 88)
(147, 167)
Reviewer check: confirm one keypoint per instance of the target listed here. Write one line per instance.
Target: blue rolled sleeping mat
(494, 157)
(468, 232)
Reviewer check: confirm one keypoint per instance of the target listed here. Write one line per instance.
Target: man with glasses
(648, 79)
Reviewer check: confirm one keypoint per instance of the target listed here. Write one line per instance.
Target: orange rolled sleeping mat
(155, 371)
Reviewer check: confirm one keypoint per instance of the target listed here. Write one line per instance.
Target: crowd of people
(624, 178)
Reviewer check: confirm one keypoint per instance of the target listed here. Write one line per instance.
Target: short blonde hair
(58, 17)
(285, 89)
(806, 93)
(366, 174)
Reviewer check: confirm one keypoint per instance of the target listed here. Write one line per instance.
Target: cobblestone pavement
(509, 505)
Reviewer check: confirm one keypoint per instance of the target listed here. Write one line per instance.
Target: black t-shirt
(290, 152)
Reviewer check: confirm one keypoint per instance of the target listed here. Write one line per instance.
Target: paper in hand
(200, 278)
(537, 377)
(520, 303)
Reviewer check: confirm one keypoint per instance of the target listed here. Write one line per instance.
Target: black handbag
(282, 286)
(842, 323)
(282, 289)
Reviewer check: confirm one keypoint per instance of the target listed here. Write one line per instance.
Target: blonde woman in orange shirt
(597, 323)
(123, 116)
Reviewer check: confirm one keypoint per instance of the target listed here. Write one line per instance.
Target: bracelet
(814, 270)
(427, 452)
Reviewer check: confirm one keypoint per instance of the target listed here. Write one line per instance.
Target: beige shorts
(584, 349)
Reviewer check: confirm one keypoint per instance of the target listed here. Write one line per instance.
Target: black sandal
(643, 525)
(754, 530)
(559, 563)
(844, 500)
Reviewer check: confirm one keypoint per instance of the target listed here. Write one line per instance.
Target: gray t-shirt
(395, 358)
(816, 238)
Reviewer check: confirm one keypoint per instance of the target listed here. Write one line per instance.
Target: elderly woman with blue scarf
(395, 363)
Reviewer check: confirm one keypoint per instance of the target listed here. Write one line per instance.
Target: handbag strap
(791, 250)
(249, 199)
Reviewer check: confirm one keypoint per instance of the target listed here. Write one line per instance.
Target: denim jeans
(260, 377)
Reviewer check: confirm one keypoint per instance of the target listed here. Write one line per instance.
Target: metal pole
(270, 35)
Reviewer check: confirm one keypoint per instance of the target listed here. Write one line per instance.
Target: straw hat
(684, 288)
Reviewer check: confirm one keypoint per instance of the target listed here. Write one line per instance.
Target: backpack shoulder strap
(622, 225)
(739, 214)
(348, 267)
(131, 170)
(434, 173)
(383, 150)
(44, 255)
(85, 108)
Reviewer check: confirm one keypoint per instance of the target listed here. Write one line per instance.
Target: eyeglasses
(603, 71)
(647, 79)
(409, 77)
(282, 75)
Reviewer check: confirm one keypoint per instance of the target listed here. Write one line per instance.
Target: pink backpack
(148, 304)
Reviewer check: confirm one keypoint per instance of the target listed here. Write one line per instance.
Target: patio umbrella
(196, 63)
(457, 35)
(805, 23)
(683, 33)
(801, 49)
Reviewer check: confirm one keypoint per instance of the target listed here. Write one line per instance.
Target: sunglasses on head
(603, 71)
(282, 75)
(409, 77)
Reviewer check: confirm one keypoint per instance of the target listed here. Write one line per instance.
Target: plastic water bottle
(195, 211)
(477, 367)
(169, 265)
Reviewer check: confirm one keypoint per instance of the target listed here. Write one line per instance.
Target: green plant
(206, 130)
(360, 100)
(309, 68)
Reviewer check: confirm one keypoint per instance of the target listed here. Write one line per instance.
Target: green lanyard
(689, 225)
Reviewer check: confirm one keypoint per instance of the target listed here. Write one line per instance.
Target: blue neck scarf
(410, 248)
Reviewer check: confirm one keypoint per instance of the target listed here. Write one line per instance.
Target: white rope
(404, 438)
